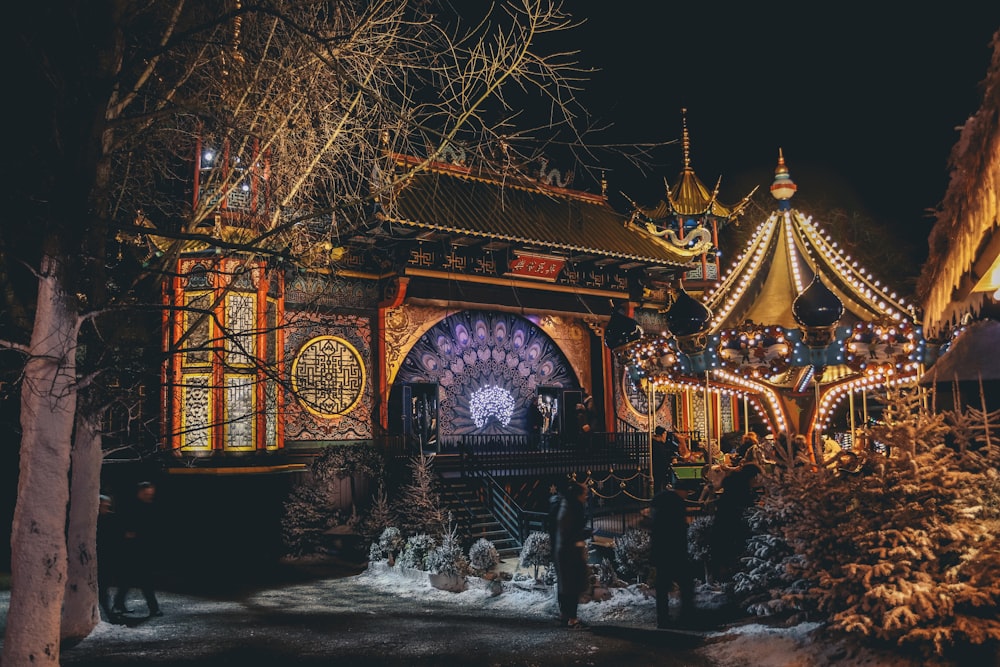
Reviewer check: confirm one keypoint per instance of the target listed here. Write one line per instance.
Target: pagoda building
(794, 328)
(692, 216)
(466, 303)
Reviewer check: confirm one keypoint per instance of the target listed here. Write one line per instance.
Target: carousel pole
(850, 409)
(746, 414)
(708, 418)
(650, 395)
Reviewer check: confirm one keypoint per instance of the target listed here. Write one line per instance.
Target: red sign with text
(533, 266)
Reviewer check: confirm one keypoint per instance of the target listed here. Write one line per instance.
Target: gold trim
(238, 470)
(486, 280)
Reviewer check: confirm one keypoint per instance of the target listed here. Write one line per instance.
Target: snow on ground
(731, 646)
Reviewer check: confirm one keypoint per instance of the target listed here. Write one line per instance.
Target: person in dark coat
(669, 542)
(572, 570)
(730, 530)
(665, 448)
(139, 527)
(108, 553)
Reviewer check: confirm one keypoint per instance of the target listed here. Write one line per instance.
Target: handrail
(508, 513)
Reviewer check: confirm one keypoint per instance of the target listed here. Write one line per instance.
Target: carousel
(796, 338)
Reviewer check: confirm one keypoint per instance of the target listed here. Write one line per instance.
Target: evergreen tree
(418, 507)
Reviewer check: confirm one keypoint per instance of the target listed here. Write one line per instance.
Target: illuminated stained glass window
(199, 327)
(240, 411)
(271, 414)
(241, 310)
(328, 376)
(196, 411)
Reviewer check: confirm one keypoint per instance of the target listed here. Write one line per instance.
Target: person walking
(139, 526)
(572, 571)
(108, 554)
(669, 543)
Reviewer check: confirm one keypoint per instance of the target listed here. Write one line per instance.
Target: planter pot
(447, 582)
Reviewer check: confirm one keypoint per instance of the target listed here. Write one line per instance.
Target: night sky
(864, 103)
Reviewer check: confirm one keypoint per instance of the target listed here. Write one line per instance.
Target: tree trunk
(80, 612)
(38, 535)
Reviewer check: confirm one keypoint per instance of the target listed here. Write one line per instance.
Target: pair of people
(126, 552)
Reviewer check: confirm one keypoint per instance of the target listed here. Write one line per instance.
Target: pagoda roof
(460, 200)
(689, 197)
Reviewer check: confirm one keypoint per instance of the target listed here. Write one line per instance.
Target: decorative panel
(239, 431)
(271, 414)
(328, 376)
(198, 326)
(241, 343)
(489, 366)
(727, 414)
(197, 413)
(333, 412)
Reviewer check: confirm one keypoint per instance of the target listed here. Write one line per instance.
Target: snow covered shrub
(448, 557)
(391, 542)
(536, 551)
(483, 556)
(415, 551)
(633, 551)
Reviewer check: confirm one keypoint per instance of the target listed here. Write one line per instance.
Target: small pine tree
(483, 556)
(633, 554)
(418, 508)
(379, 517)
(536, 552)
(416, 550)
(448, 558)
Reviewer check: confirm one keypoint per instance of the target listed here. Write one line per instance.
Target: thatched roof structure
(958, 278)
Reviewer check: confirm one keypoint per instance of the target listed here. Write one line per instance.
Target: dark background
(865, 100)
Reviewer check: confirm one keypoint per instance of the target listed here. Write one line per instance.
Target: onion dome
(817, 306)
(688, 316)
(783, 187)
(621, 330)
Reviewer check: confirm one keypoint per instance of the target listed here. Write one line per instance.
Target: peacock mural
(488, 367)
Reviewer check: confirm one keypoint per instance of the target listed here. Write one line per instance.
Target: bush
(483, 556)
(416, 550)
(390, 543)
(633, 552)
(536, 552)
(448, 558)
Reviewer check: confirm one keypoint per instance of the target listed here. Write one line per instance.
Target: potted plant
(447, 564)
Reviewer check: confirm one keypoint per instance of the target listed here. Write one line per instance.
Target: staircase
(461, 496)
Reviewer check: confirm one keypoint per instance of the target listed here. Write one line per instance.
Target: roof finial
(604, 183)
(686, 141)
(783, 187)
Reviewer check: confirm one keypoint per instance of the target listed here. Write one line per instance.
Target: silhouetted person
(670, 554)
(109, 539)
(139, 526)
(730, 529)
(572, 571)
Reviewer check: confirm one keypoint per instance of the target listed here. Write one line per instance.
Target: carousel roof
(459, 200)
(782, 258)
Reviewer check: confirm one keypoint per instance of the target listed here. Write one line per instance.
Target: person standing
(572, 571)
(730, 530)
(669, 542)
(139, 526)
(664, 451)
(108, 552)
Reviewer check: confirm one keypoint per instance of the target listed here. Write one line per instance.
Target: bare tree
(301, 101)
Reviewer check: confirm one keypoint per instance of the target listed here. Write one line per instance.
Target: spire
(783, 187)
(686, 140)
